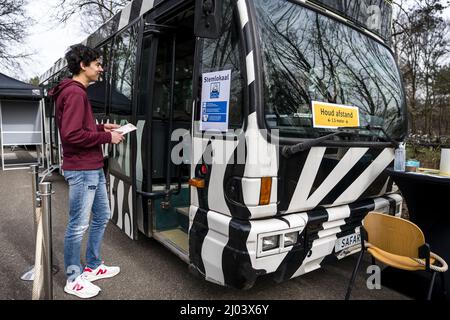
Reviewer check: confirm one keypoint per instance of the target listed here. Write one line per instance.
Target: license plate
(347, 241)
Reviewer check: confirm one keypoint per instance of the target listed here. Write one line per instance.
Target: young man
(83, 169)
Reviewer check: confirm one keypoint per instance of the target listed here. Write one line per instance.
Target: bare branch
(13, 26)
(93, 13)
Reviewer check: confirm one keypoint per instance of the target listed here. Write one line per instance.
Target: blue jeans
(87, 192)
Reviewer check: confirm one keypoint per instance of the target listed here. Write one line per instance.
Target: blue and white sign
(215, 101)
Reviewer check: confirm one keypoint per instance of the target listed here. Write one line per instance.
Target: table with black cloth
(427, 197)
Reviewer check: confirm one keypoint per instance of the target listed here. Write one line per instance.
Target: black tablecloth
(428, 200)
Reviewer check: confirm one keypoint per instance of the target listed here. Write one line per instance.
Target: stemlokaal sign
(215, 101)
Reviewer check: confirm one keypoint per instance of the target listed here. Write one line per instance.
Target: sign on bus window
(215, 101)
(331, 115)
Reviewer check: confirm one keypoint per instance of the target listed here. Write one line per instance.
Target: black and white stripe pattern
(349, 180)
(121, 199)
(60, 64)
(323, 198)
(344, 184)
(257, 145)
(105, 147)
(246, 26)
(226, 250)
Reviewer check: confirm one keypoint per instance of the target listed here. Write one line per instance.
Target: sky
(48, 41)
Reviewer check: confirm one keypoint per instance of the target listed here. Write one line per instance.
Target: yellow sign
(329, 115)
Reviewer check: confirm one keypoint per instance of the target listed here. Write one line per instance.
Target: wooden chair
(398, 243)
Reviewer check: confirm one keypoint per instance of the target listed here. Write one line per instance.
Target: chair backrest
(393, 234)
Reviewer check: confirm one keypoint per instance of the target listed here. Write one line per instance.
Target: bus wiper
(288, 151)
(394, 143)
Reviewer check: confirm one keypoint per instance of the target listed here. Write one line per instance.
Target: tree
(93, 13)
(34, 81)
(13, 25)
(442, 100)
(421, 45)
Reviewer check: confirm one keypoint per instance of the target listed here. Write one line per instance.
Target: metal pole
(34, 193)
(34, 170)
(45, 190)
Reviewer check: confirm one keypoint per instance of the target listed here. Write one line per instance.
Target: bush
(428, 156)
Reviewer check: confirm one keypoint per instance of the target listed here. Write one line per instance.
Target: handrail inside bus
(158, 195)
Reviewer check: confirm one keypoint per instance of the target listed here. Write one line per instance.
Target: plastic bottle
(400, 157)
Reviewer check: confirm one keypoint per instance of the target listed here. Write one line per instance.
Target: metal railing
(34, 170)
(43, 280)
(42, 272)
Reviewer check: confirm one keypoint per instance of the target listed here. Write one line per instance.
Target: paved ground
(149, 271)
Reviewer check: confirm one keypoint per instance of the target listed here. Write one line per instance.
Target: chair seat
(397, 242)
(396, 261)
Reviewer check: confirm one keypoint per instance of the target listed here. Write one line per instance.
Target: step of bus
(177, 237)
(183, 211)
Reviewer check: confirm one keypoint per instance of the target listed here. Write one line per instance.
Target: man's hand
(108, 127)
(116, 137)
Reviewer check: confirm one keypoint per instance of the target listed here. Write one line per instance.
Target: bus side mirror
(208, 18)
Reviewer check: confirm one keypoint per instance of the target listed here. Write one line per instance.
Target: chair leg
(443, 284)
(430, 289)
(355, 271)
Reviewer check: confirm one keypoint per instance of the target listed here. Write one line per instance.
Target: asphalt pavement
(148, 269)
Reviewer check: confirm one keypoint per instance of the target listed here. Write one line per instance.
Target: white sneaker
(100, 272)
(81, 287)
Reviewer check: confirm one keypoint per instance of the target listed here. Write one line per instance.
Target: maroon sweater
(81, 138)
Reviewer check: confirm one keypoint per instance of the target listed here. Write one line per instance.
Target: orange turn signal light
(197, 182)
(266, 188)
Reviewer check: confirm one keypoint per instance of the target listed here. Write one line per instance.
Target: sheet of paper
(126, 128)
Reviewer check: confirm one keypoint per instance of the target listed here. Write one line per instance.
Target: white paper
(126, 128)
(215, 101)
(444, 165)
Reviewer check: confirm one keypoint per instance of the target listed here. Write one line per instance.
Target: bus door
(165, 169)
(121, 158)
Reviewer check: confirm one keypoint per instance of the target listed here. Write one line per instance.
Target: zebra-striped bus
(264, 129)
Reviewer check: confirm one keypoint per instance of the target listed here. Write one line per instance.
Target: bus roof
(374, 16)
(129, 13)
(357, 11)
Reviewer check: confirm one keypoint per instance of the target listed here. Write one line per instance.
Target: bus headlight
(270, 242)
(290, 238)
(275, 242)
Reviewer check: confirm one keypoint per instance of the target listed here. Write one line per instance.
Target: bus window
(123, 72)
(143, 106)
(182, 102)
(161, 93)
(184, 57)
(144, 99)
(121, 95)
(223, 54)
(97, 91)
(309, 56)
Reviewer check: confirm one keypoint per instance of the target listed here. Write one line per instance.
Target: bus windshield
(309, 56)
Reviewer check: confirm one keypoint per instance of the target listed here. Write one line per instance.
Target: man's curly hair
(80, 53)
